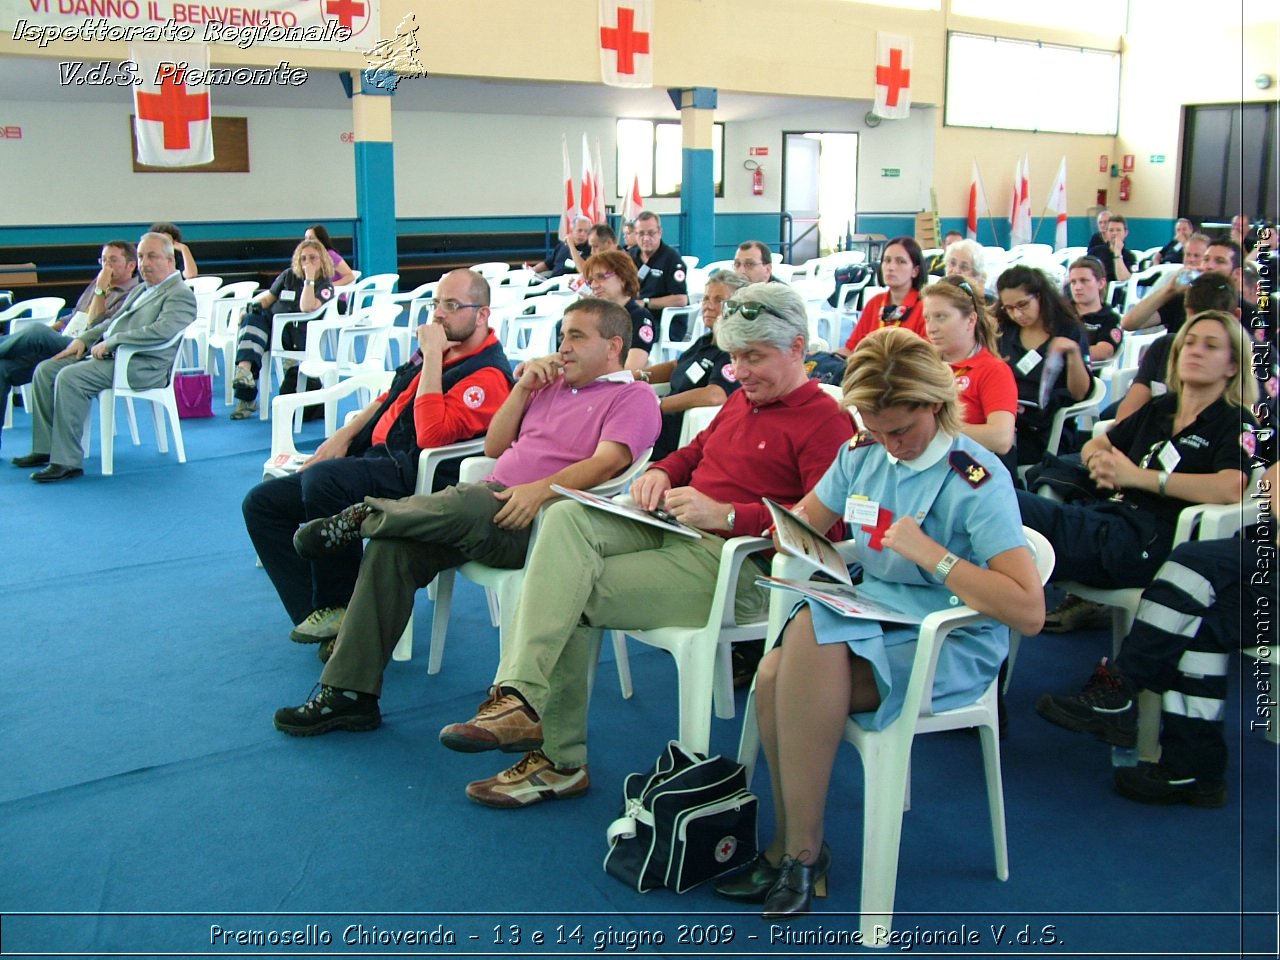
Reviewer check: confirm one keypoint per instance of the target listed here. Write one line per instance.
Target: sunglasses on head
(749, 309)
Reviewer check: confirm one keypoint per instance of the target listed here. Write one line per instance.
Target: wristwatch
(943, 569)
(733, 515)
(99, 292)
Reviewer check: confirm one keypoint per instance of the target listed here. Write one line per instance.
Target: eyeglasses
(746, 264)
(648, 233)
(451, 306)
(749, 310)
(103, 261)
(601, 278)
(1019, 307)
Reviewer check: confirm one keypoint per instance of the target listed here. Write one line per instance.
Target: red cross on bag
(172, 116)
(893, 76)
(626, 33)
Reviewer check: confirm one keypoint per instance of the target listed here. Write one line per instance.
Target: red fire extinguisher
(757, 178)
(1126, 186)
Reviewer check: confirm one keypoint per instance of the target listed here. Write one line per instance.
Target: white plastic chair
(207, 295)
(285, 456)
(1141, 283)
(690, 262)
(224, 334)
(502, 585)
(1087, 407)
(162, 401)
(492, 270)
(36, 310)
(668, 349)
(530, 337)
(363, 292)
(370, 326)
(276, 356)
(886, 754)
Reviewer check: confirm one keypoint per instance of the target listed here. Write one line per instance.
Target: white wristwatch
(943, 569)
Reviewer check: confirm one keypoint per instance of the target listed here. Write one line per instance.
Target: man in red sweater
(589, 571)
(448, 391)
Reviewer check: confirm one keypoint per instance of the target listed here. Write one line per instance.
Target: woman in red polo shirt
(902, 271)
(956, 322)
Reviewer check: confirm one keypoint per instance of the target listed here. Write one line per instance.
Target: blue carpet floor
(147, 806)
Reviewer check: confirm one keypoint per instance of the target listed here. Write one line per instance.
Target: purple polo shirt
(563, 425)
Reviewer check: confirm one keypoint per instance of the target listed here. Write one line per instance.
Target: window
(993, 82)
(1095, 16)
(651, 150)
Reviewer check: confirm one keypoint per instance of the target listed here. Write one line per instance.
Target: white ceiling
(37, 79)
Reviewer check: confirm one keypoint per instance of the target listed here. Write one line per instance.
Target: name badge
(569, 264)
(1030, 360)
(644, 271)
(1158, 389)
(1169, 456)
(860, 511)
(286, 295)
(695, 373)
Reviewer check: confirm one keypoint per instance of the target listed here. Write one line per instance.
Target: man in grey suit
(155, 311)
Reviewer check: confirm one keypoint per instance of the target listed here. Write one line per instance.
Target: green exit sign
(1157, 158)
(890, 172)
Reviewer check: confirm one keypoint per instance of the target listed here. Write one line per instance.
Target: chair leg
(171, 406)
(162, 430)
(749, 741)
(107, 422)
(694, 686)
(133, 421)
(624, 663)
(722, 682)
(8, 412)
(1015, 639)
(1148, 726)
(404, 646)
(884, 792)
(990, 737)
(440, 618)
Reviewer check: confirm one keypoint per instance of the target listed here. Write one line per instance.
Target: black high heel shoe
(752, 883)
(798, 883)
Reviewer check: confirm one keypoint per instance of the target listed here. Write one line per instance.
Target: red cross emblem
(625, 40)
(893, 77)
(884, 519)
(473, 397)
(175, 108)
(345, 10)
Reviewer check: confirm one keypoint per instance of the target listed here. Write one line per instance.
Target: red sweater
(778, 450)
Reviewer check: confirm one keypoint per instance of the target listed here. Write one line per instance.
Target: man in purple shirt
(575, 418)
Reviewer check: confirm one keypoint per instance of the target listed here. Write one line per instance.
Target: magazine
(797, 539)
(845, 600)
(654, 518)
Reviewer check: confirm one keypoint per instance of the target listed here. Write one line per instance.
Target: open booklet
(848, 601)
(654, 518)
(797, 539)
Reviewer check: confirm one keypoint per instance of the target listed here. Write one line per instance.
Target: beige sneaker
(244, 410)
(320, 625)
(503, 722)
(532, 780)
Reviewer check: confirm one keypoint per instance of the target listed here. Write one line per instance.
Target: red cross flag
(893, 77)
(626, 32)
(172, 115)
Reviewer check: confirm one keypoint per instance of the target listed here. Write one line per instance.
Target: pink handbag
(194, 393)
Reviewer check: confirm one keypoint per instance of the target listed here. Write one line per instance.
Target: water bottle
(1124, 756)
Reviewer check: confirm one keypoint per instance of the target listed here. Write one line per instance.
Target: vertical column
(375, 177)
(697, 187)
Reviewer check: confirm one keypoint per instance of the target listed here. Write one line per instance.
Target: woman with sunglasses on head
(703, 376)
(305, 285)
(956, 322)
(1037, 327)
(933, 516)
(612, 276)
(342, 274)
(902, 270)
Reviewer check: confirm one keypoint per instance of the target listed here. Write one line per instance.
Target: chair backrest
(669, 349)
(203, 284)
(528, 338)
(695, 420)
(126, 352)
(361, 293)
(492, 269)
(37, 308)
(1091, 403)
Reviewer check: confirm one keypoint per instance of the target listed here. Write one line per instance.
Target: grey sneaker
(322, 624)
(316, 539)
(1076, 613)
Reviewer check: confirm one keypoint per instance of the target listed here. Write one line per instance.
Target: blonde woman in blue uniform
(936, 522)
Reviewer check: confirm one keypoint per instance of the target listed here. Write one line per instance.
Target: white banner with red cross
(626, 42)
(172, 117)
(893, 77)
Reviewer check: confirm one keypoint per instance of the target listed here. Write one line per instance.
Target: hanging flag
(566, 218)
(626, 32)
(597, 208)
(893, 76)
(1024, 200)
(1058, 204)
(978, 204)
(633, 203)
(587, 195)
(172, 116)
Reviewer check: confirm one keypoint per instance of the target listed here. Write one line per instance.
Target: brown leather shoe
(503, 722)
(532, 780)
